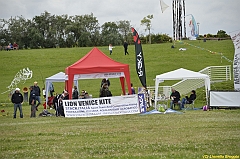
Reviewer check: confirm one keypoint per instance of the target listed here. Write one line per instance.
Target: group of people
(11, 46)
(83, 95)
(34, 100)
(175, 98)
(58, 103)
(125, 45)
(35, 97)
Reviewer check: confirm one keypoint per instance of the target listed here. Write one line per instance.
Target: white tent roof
(181, 73)
(59, 77)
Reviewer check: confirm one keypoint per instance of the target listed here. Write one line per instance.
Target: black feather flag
(140, 67)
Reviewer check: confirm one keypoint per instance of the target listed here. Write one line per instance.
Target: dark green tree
(222, 34)
(124, 28)
(45, 24)
(110, 34)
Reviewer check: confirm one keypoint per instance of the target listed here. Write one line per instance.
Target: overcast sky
(213, 15)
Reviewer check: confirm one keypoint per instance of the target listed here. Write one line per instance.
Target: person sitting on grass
(9, 47)
(15, 46)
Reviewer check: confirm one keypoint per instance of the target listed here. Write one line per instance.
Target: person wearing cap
(32, 101)
(17, 99)
(37, 93)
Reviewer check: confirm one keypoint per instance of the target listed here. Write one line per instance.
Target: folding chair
(188, 105)
(177, 103)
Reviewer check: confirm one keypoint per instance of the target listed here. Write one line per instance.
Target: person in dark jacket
(189, 100)
(133, 89)
(37, 93)
(104, 91)
(104, 80)
(75, 93)
(125, 45)
(17, 99)
(60, 108)
(32, 101)
(175, 96)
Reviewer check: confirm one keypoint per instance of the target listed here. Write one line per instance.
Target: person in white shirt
(110, 48)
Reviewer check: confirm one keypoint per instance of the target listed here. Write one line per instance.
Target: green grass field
(192, 134)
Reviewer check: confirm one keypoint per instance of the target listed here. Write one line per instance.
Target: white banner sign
(236, 62)
(228, 99)
(100, 75)
(117, 105)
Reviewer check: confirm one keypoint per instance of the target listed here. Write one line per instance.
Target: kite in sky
(163, 6)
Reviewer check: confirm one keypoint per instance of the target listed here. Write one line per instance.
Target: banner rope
(212, 52)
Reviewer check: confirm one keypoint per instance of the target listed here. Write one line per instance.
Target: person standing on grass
(132, 88)
(75, 93)
(104, 80)
(110, 47)
(51, 89)
(60, 108)
(17, 99)
(32, 101)
(37, 93)
(125, 45)
(104, 91)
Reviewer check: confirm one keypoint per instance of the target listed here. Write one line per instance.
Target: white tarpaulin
(181, 74)
(226, 99)
(117, 105)
(100, 75)
(235, 36)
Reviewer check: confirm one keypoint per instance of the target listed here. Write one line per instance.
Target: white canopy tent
(181, 74)
(59, 77)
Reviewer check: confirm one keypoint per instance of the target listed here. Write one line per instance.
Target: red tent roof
(97, 62)
(94, 62)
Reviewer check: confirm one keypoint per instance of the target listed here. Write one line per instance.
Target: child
(110, 48)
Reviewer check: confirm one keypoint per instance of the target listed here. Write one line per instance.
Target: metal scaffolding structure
(178, 7)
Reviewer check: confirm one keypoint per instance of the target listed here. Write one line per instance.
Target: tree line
(50, 31)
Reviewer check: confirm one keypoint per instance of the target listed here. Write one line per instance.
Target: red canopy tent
(97, 62)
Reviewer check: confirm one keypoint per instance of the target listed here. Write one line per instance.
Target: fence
(215, 73)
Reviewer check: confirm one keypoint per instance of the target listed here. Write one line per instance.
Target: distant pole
(184, 21)
(198, 28)
(178, 7)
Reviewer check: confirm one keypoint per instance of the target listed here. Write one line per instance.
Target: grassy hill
(193, 134)
(159, 58)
